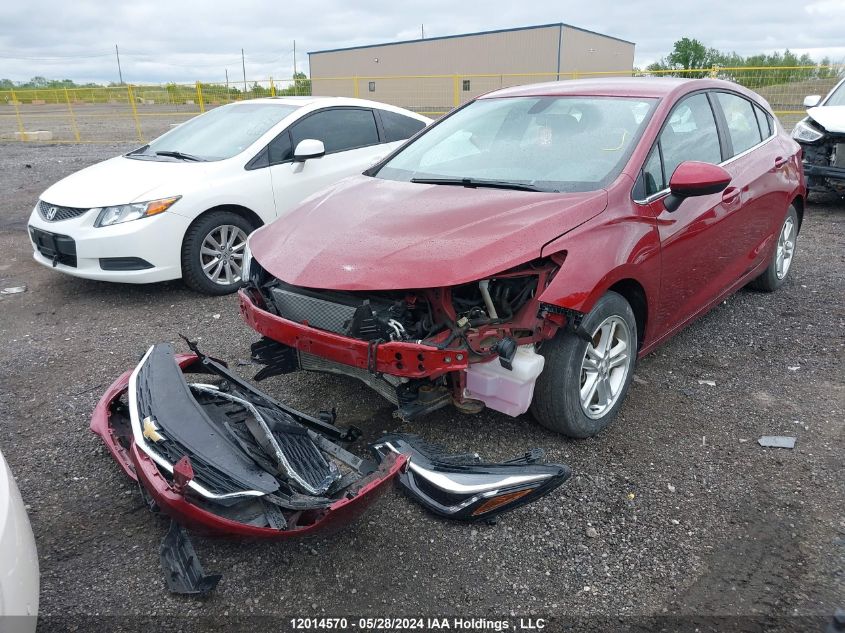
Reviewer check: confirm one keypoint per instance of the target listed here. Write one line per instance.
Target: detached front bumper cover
(228, 459)
(258, 468)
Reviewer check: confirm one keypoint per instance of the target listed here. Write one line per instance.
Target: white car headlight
(133, 211)
(804, 131)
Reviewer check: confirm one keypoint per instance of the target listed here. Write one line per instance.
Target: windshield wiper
(181, 155)
(474, 182)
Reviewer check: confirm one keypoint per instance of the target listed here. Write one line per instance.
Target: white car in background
(19, 579)
(183, 205)
(821, 135)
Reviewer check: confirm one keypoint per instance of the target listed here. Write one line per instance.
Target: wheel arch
(634, 293)
(626, 281)
(798, 203)
(248, 214)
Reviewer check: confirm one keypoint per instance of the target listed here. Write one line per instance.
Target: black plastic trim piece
(124, 263)
(182, 569)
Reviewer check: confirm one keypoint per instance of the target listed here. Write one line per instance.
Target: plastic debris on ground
(777, 441)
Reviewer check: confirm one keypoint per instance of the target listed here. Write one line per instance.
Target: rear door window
(742, 122)
(340, 129)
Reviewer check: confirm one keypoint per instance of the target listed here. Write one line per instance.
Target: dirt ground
(695, 523)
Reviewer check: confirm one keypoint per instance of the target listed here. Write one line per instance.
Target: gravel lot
(692, 518)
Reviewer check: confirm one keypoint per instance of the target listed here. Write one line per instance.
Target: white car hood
(831, 118)
(122, 180)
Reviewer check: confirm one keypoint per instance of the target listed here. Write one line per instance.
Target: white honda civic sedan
(183, 205)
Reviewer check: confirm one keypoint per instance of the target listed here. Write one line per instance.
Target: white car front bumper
(156, 240)
(19, 576)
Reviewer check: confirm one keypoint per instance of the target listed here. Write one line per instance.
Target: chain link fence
(140, 113)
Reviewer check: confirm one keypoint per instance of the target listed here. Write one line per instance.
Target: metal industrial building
(438, 73)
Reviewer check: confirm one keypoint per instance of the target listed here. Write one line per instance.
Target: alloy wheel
(785, 248)
(605, 367)
(222, 254)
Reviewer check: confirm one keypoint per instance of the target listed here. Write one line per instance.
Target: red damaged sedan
(523, 251)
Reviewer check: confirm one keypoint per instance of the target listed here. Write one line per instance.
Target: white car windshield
(837, 97)
(221, 133)
(531, 143)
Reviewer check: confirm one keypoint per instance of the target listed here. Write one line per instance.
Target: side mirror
(693, 178)
(811, 101)
(308, 148)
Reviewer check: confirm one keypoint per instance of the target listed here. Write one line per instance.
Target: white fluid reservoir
(506, 390)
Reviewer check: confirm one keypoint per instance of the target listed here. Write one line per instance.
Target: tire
(557, 403)
(783, 254)
(196, 252)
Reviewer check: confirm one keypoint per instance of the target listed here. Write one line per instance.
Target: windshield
(837, 97)
(540, 143)
(221, 133)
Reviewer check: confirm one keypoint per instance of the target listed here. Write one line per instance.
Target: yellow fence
(135, 113)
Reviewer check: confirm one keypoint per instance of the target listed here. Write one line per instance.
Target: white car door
(351, 139)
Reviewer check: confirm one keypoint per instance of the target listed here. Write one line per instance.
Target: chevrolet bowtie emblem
(151, 430)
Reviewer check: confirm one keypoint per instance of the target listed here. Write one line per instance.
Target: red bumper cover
(138, 466)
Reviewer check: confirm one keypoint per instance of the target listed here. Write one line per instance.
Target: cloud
(199, 40)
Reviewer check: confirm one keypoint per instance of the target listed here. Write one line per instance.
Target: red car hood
(372, 234)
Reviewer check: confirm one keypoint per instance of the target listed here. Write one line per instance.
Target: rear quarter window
(764, 120)
(398, 127)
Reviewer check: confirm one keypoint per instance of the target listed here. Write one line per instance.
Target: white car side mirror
(811, 101)
(308, 148)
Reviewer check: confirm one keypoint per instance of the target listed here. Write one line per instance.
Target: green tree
(300, 85)
(689, 54)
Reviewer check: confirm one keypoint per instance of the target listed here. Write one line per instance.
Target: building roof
(448, 37)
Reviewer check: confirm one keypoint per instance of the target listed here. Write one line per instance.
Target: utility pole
(243, 65)
(119, 72)
(422, 31)
(294, 59)
(226, 70)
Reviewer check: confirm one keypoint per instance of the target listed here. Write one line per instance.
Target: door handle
(731, 195)
(780, 161)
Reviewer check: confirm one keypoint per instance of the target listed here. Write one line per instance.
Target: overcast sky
(185, 40)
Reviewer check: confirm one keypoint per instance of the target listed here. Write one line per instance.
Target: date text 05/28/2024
(378, 624)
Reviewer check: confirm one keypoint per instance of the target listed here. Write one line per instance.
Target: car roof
(648, 87)
(321, 102)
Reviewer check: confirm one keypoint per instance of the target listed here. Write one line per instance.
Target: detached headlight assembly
(135, 211)
(806, 132)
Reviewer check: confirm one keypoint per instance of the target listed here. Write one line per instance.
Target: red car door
(696, 250)
(761, 192)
